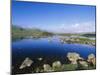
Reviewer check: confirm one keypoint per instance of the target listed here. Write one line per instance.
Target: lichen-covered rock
(56, 65)
(92, 59)
(73, 57)
(47, 68)
(26, 63)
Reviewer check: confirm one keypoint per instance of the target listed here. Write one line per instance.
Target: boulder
(56, 65)
(26, 63)
(73, 57)
(47, 68)
(92, 59)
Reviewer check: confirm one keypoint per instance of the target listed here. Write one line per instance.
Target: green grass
(69, 67)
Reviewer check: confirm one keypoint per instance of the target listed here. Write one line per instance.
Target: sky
(59, 18)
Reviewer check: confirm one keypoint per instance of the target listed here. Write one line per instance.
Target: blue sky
(64, 18)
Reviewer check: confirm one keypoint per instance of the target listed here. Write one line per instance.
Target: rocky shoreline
(75, 63)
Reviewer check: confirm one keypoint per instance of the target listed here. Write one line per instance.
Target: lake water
(50, 49)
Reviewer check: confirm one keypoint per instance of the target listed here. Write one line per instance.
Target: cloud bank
(65, 28)
(74, 28)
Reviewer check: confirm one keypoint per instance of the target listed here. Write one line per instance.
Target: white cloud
(65, 28)
(75, 28)
(76, 25)
(82, 27)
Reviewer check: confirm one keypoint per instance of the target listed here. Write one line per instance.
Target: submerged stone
(40, 59)
(26, 63)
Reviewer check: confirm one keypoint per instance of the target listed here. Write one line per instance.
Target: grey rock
(92, 59)
(26, 63)
(73, 57)
(47, 68)
(56, 65)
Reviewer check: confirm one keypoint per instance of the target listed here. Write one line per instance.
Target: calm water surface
(48, 48)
